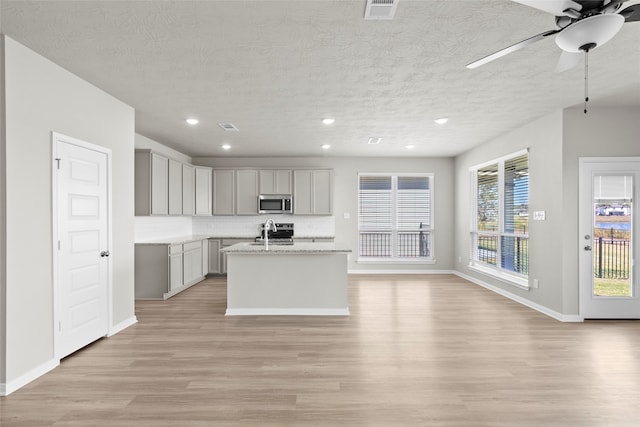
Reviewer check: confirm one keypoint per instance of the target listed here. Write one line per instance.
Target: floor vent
(380, 9)
(228, 127)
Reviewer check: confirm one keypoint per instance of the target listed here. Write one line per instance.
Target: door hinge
(59, 326)
(58, 244)
(58, 161)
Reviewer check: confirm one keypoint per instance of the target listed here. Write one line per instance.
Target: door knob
(104, 253)
(587, 248)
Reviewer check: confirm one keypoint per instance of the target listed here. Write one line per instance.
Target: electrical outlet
(459, 259)
(536, 284)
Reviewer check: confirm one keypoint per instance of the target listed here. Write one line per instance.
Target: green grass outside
(612, 287)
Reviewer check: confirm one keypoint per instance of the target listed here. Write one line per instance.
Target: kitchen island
(298, 279)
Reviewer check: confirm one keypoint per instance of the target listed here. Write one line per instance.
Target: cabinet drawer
(175, 249)
(192, 246)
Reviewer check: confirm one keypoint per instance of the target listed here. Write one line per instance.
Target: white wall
(3, 223)
(345, 198)
(41, 97)
(602, 132)
(543, 137)
(556, 142)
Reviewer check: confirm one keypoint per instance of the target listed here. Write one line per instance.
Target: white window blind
(395, 216)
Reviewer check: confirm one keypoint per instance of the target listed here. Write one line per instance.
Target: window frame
(496, 271)
(394, 259)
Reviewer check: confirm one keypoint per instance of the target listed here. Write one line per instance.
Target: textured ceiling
(276, 68)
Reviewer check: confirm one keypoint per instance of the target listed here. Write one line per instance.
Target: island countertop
(295, 248)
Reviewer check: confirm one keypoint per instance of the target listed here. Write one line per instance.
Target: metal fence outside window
(611, 258)
(380, 244)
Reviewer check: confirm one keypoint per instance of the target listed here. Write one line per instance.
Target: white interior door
(608, 217)
(81, 244)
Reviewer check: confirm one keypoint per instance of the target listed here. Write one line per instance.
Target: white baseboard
(122, 326)
(287, 311)
(11, 386)
(540, 308)
(400, 272)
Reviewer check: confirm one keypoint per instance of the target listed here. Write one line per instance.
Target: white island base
(286, 281)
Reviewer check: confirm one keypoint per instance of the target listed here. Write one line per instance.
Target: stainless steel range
(282, 236)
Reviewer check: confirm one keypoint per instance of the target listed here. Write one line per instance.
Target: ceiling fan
(582, 25)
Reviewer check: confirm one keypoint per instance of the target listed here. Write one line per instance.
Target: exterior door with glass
(608, 217)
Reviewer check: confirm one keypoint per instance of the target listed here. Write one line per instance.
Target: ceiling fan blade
(611, 6)
(554, 7)
(510, 49)
(632, 13)
(568, 60)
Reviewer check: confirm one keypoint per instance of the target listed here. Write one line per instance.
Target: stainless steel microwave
(275, 204)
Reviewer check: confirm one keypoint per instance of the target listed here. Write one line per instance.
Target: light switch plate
(347, 215)
(539, 215)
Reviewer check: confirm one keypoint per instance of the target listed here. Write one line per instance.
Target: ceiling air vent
(380, 9)
(228, 127)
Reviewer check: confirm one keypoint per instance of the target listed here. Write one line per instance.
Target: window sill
(396, 261)
(503, 276)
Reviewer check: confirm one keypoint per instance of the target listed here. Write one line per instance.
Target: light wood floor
(416, 350)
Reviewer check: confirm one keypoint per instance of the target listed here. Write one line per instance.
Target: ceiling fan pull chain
(586, 79)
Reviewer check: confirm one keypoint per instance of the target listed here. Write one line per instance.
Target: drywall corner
(3, 227)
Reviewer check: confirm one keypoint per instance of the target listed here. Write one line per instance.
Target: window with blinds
(395, 217)
(500, 233)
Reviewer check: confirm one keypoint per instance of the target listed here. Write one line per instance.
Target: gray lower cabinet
(214, 256)
(217, 259)
(313, 239)
(163, 270)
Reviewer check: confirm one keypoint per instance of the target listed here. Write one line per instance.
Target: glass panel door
(608, 235)
(612, 235)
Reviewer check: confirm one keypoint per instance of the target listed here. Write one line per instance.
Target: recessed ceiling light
(325, 146)
(328, 121)
(225, 146)
(441, 121)
(192, 121)
(409, 147)
(374, 141)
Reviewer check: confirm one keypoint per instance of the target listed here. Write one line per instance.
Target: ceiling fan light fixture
(589, 32)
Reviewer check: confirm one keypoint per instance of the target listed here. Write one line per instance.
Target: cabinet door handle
(104, 253)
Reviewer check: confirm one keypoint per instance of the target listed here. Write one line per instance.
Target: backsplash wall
(249, 226)
(161, 227)
(149, 228)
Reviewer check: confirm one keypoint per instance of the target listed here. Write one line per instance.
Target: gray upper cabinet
(323, 192)
(175, 187)
(165, 186)
(188, 190)
(151, 183)
(246, 192)
(203, 193)
(276, 181)
(313, 192)
(224, 184)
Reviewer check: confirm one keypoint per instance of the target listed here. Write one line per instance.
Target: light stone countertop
(296, 248)
(193, 238)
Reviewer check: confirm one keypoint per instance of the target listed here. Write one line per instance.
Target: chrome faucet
(268, 225)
